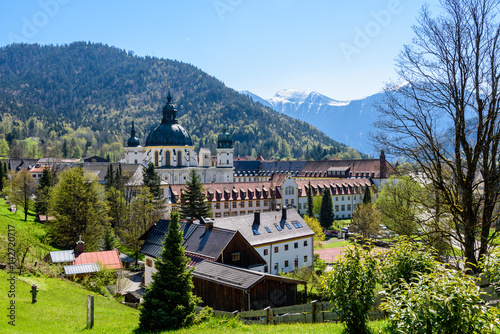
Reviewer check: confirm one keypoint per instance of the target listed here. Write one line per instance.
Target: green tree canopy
(310, 204)
(169, 302)
(365, 220)
(78, 203)
(152, 180)
(399, 205)
(22, 188)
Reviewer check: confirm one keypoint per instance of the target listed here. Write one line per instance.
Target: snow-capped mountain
(348, 122)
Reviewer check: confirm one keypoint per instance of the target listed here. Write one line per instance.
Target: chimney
(79, 245)
(209, 223)
(256, 218)
(283, 213)
(382, 164)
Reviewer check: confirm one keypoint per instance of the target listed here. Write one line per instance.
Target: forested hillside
(80, 99)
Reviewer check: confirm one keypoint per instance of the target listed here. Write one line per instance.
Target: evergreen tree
(367, 197)
(2, 175)
(109, 178)
(326, 216)
(152, 180)
(169, 302)
(65, 150)
(310, 201)
(109, 241)
(43, 196)
(193, 200)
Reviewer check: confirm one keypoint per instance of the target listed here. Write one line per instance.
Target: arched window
(167, 158)
(179, 158)
(156, 159)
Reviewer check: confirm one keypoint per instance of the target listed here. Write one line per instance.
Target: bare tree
(23, 188)
(444, 116)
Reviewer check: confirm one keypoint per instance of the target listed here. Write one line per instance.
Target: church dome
(169, 135)
(133, 141)
(169, 132)
(225, 140)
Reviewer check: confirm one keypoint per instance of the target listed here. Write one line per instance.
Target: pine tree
(193, 201)
(309, 201)
(2, 175)
(109, 178)
(152, 180)
(109, 240)
(326, 215)
(43, 196)
(65, 150)
(169, 302)
(367, 197)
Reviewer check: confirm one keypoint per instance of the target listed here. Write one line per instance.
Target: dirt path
(329, 254)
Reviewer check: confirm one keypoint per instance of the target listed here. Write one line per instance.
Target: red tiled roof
(339, 186)
(232, 191)
(109, 259)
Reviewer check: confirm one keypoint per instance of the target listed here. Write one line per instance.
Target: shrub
(444, 301)
(404, 261)
(350, 286)
(491, 266)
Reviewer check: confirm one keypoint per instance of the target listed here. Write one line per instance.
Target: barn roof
(152, 245)
(62, 256)
(235, 277)
(81, 269)
(208, 242)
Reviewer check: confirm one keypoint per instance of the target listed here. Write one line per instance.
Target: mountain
(346, 121)
(81, 98)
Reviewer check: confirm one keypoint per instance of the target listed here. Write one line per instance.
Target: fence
(317, 312)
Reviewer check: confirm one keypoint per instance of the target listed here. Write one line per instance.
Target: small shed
(62, 256)
(80, 270)
(228, 288)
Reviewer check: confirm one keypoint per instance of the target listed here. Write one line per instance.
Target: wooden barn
(228, 288)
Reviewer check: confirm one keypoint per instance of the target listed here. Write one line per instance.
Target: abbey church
(170, 148)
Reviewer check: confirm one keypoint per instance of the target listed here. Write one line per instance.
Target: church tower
(225, 150)
(133, 151)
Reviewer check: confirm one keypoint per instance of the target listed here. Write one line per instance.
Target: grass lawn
(334, 244)
(61, 308)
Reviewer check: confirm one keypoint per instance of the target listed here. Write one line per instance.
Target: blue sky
(343, 49)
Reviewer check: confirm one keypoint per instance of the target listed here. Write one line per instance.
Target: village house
(202, 242)
(282, 238)
(229, 288)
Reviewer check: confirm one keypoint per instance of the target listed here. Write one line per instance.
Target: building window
(286, 201)
(257, 203)
(276, 267)
(286, 247)
(348, 198)
(234, 205)
(156, 159)
(236, 256)
(265, 269)
(179, 158)
(266, 251)
(242, 204)
(226, 214)
(167, 158)
(296, 263)
(336, 208)
(305, 259)
(217, 205)
(276, 249)
(342, 207)
(265, 202)
(242, 213)
(286, 264)
(226, 205)
(296, 245)
(348, 207)
(250, 212)
(292, 201)
(342, 197)
(149, 263)
(217, 215)
(250, 204)
(305, 243)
